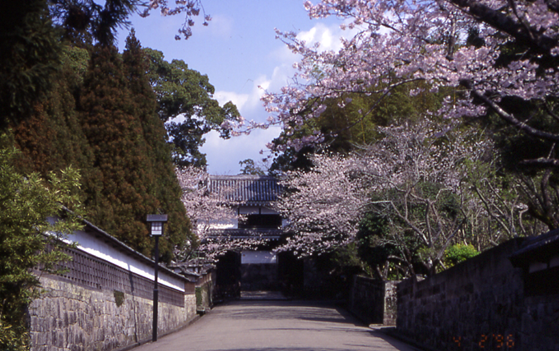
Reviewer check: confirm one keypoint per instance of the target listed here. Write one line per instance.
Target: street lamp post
(156, 230)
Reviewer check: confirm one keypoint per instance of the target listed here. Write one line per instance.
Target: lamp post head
(156, 221)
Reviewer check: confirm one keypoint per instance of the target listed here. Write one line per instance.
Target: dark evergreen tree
(164, 185)
(51, 138)
(120, 200)
(89, 19)
(29, 55)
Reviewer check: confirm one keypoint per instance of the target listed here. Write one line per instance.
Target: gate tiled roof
(248, 190)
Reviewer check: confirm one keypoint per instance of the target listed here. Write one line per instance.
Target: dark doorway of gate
(258, 271)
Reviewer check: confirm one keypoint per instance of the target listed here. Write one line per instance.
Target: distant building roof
(248, 190)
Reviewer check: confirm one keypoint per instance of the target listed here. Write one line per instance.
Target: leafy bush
(458, 253)
(29, 238)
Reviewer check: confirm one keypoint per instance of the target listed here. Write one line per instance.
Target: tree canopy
(487, 55)
(488, 64)
(186, 106)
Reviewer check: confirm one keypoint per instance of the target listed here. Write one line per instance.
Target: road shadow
(315, 311)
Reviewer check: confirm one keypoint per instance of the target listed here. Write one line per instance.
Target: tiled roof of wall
(246, 189)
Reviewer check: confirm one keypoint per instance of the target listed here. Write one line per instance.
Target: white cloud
(224, 155)
(249, 105)
(319, 34)
(220, 26)
(238, 99)
(327, 36)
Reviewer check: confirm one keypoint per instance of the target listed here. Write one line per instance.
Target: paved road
(276, 326)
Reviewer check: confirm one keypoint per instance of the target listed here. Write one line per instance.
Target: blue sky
(238, 51)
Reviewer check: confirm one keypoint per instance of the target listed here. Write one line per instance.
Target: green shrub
(458, 253)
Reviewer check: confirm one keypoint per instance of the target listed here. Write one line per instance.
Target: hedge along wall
(98, 305)
(480, 304)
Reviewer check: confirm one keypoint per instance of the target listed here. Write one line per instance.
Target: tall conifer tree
(51, 137)
(163, 182)
(122, 199)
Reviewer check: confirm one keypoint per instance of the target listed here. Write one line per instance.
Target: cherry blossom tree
(488, 52)
(412, 180)
(189, 8)
(323, 206)
(489, 57)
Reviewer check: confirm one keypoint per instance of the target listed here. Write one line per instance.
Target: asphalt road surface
(276, 326)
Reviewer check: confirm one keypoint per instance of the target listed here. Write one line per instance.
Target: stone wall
(204, 293)
(479, 304)
(190, 306)
(98, 306)
(374, 301)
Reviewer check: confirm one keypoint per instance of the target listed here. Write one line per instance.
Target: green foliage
(70, 104)
(356, 123)
(248, 167)
(406, 228)
(336, 269)
(505, 199)
(83, 20)
(198, 293)
(119, 297)
(100, 117)
(29, 55)
(29, 236)
(76, 59)
(51, 137)
(132, 170)
(186, 105)
(379, 256)
(13, 339)
(525, 157)
(458, 253)
(203, 296)
(119, 200)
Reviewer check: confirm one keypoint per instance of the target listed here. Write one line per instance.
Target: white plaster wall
(258, 257)
(230, 221)
(249, 210)
(268, 211)
(104, 251)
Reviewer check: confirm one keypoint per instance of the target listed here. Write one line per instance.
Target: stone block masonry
(70, 316)
(374, 301)
(99, 304)
(485, 303)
